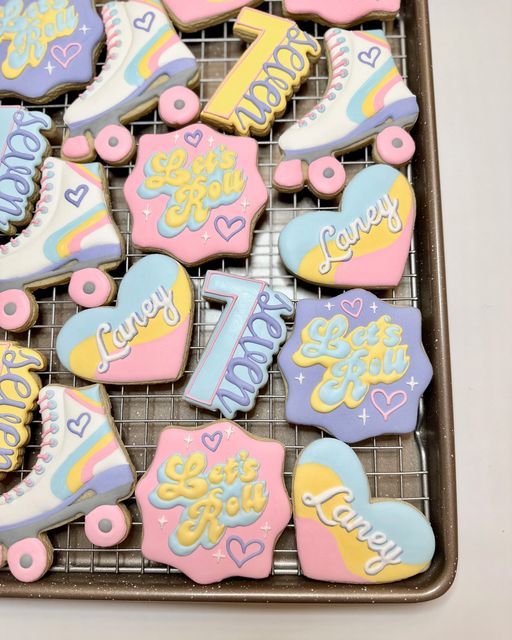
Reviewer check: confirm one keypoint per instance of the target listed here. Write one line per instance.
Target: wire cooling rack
(396, 465)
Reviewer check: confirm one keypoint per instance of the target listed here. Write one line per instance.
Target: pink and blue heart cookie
(213, 502)
(355, 366)
(345, 536)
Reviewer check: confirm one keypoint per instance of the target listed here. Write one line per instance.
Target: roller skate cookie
(256, 90)
(82, 469)
(147, 64)
(195, 194)
(19, 387)
(144, 338)
(23, 146)
(341, 13)
(213, 502)
(345, 536)
(235, 363)
(365, 244)
(355, 366)
(201, 14)
(72, 237)
(366, 101)
(47, 47)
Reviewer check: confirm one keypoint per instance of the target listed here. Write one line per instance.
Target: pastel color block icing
(341, 13)
(195, 193)
(47, 44)
(144, 338)
(355, 366)
(213, 502)
(366, 244)
(190, 16)
(345, 536)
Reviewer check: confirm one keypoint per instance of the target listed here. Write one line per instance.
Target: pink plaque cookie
(341, 13)
(199, 14)
(195, 193)
(213, 502)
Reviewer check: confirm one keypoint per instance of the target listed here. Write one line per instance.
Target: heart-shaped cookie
(365, 244)
(144, 338)
(345, 536)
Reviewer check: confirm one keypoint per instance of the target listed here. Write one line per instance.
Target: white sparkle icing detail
(266, 528)
(374, 307)
(205, 237)
(329, 306)
(229, 432)
(176, 137)
(188, 440)
(211, 141)
(147, 212)
(245, 204)
(218, 556)
(364, 417)
(49, 67)
(84, 29)
(162, 522)
(412, 383)
(300, 378)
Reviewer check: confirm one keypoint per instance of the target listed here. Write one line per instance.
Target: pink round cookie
(213, 502)
(195, 194)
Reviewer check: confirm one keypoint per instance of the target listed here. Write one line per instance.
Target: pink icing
(339, 13)
(102, 284)
(326, 176)
(190, 12)
(76, 148)
(14, 321)
(391, 154)
(37, 551)
(122, 149)
(251, 548)
(178, 117)
(289, 174)
(115, 515)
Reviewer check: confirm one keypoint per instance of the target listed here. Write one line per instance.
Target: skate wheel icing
(76, 148)
(90, 287)
(107, 525)
(114, 143)
(394, 146)
(289, 176)
(178, 106)
(326, 176)
(15, 310)
(29, 559)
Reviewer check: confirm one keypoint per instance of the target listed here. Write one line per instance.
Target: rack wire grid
(396, 465)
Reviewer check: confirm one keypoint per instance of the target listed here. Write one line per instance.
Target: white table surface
(472, 62)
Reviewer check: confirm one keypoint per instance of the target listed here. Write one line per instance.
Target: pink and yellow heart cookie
(213, 502)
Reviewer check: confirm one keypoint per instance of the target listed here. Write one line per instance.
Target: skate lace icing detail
(50, 427)
(111, 20)
(41, 208)
(337, 51)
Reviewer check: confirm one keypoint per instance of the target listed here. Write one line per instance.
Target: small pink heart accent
(389, 408)
(65, 55)
(352, 307)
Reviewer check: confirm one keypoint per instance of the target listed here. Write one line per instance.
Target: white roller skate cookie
(366, 101)
(82, 469)
(72, 237)
(147, 64)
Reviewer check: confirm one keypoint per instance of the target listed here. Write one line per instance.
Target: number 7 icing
(257, 88)
(200, 14)
(235, 363)
(341, 13)
(366, 101)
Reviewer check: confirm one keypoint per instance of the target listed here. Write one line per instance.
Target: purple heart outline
(243, 548)
(75, 196)
(193, 137)
(212, 441)
(65, 55)
(235, 224)
(77, 426)
(145, 22)
(352, 307)
(370, 57)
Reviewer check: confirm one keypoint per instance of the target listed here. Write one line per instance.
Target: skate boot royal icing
(146, 64)
(72, 237)
(82, 469)
(366, 101)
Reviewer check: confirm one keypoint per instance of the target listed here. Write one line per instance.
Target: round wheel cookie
(355, 366)
(47, 47)
(195, 194)
(213, 502)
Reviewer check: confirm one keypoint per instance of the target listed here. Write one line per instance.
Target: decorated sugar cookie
(195, 193)
(345, 536)
(19, 386)
(82, 469)
(341, 13)
(200, 14)
(355, 366)
(234, 365)
(23, 146)
(144, 338)
(47, 47)
(213, 502)
(256, 90)
(365, 244)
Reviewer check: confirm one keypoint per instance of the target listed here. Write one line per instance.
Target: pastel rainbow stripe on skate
(343, 535)
(68, 240)
(88, 172)
(144, 338)
(88, 397)
(375, 37)
(146, 62)
(365, 244)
